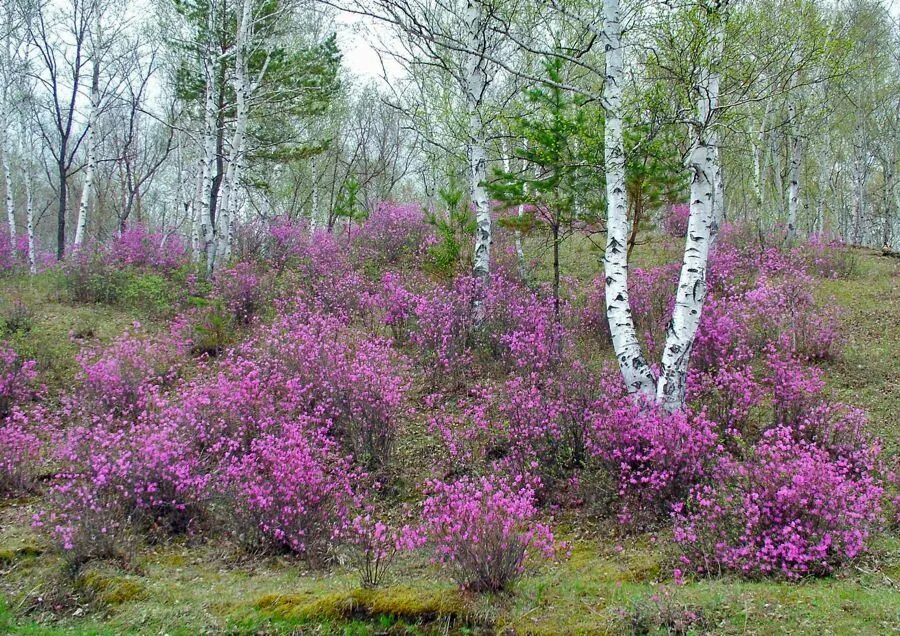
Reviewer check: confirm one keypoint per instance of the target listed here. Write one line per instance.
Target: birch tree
(93, 137)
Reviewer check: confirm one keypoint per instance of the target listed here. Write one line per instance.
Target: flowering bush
(375, 544)
(675, 221)
(520, 327)
(394, 232)
(399, 306)
(652, 298)
(121, 478)
(137, 246)
(119, 378)
(827, 258)
(290, 491)
(242, 290)
(548, 421)
(655, 456)
(441, 333)
(790, 510)
(483, 530)
(796, 388)
(289, 241)
(20, 450)
(729, 395)
(17, 378)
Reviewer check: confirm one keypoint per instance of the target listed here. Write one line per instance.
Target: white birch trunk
(228, 211)
(475, 85)
(691, 292)
(759, 150)
(92, 137)
(635, 370)
(4, 160)
(203, 230)
(793, 168)
(859, 184)
(715, 164)
(10, 199)
(520, 250)
(315, 214)
(29, 224)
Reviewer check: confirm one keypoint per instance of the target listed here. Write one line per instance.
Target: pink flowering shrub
(470, 430)
(443, 319)
(290, 491)
(827, 257)
(137, 246)
(592, 319)
(675, 221)
(520, 327)
(549, 423)
(483, 530)
(399, 306)
(655, 456)
(791, 509)
(119, 378)
(17, 377)
(303, 365)
(375, 544)
(394, 233)
(121, 478)
(243, 291)
(796, 388)
(20, 452)
(652, 296)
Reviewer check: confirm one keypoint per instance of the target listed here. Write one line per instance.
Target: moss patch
(12, 555)
(402, 603)
(109, 589)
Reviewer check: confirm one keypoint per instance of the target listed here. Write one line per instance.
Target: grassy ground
(609, 585)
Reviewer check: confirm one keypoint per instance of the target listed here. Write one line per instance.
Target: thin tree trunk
(202, 238)
(475, 84)
(691, 292)
(10, 199)
(62, 202)
(315, 215)
(232, 174)
(92, 138)
(711, 108)
(635, 370)
(520, 250)
(29, 224)
(520, 254)
(794, 168)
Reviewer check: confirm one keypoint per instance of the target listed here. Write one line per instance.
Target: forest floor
(609, 584)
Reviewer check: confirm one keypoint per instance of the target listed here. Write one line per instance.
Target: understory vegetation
(319, 438)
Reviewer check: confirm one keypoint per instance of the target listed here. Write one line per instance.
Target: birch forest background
(449, 316)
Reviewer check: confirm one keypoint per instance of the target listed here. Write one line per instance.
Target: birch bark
(92, 137)
(29, 224)
(203, 214)
(226, 216)
(635, 370)
(10, 199)
(794, 168)
(691, 292)
(475, 84)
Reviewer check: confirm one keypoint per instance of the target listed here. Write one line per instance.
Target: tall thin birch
(635, 370)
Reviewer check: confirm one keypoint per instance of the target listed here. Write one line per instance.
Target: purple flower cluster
(483, 530)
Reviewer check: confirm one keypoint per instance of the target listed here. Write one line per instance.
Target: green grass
(609, 585)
